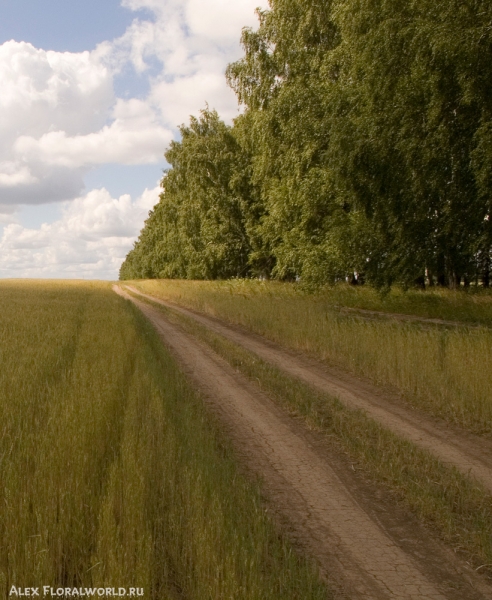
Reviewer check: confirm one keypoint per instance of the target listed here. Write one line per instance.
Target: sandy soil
(471, 454)
(366, 546)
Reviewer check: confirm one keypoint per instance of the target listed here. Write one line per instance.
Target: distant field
(446, 371)
(111, 472)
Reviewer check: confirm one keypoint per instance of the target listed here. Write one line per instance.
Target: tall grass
(445, 371)
(458, 506)
(469, 307)
(111, 471)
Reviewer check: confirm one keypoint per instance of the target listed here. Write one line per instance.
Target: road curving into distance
(469, 453)
(369, 548)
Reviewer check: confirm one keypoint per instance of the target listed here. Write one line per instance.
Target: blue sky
(63, 25)
(68, 26)
(92, 93)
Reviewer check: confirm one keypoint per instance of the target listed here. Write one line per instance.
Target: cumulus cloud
(221, 20)
(43, 91)
(194, 41)
(216, 20)
(134, 137)
(13, 174)
(60, 117)
(177, 99)
(90, 240)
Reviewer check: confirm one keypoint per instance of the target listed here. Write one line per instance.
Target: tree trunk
(486, 276)
(454, 281)
(441, 275)
(485, 268)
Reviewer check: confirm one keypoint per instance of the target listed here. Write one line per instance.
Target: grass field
(112, 473)
(454, 504)
(473, 307)
(446, 371)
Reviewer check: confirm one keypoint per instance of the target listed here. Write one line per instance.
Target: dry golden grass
(457, 506)
(446, 371)
(111, 471)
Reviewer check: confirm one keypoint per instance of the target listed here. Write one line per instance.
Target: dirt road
(389, 316)
(469, 453)
(369, 548)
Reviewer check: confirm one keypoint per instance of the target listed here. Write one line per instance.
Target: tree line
(364, 146)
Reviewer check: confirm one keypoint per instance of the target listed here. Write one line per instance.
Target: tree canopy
(365, 146)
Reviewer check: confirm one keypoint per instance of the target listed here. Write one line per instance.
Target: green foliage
(415, 103)
(199, 229)
(365, 146)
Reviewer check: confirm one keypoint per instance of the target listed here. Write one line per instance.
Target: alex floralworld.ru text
(46, 590)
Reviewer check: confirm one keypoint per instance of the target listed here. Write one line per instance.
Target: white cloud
(59, 117)
(13, 174)
(177, 99)
(43, 91)
(134, 137)
(217, 20)
(194, 41)
(221, 20)
(43, 185)
(90, 240)
(58, 110)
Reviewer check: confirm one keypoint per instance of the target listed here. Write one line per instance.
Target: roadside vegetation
(473, 307)
(457, 506)
(446, 371)
(112, 473)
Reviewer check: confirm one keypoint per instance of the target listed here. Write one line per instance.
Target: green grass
(446, 371)
(112, 473)
(473, 307)
(457, 506)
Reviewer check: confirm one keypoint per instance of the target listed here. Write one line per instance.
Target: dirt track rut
(389, 316)
(469, 453)
(372, 550)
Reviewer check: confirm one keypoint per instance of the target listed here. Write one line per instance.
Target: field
(145, 445)
(446, 496)
(112, 472)
(429, 478)
(444, 370)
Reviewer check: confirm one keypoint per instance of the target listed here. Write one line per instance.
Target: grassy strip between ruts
(112, 471)
(457, 506)
(446, 372)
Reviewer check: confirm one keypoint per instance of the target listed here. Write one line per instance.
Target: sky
(92, 94)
